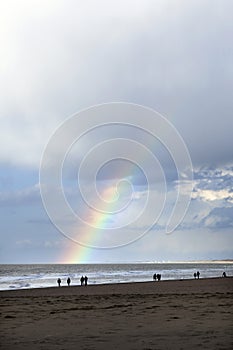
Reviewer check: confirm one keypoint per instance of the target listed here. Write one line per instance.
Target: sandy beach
(182, 314)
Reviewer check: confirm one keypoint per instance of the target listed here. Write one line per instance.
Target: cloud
(24, 243)
(26, 196)
(58, 59)
(211, 205)
(49, 244)
(219, 218)
(214, 185)
(215, 195)
(173, 56)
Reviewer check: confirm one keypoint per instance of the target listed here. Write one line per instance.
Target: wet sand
(187, 314)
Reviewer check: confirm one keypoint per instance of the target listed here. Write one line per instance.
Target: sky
(62, 57)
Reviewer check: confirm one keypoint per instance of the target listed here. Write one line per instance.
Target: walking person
(59, 282)
(82, 280)
(85, 279)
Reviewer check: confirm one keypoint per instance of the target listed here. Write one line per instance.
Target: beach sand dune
(188, 314)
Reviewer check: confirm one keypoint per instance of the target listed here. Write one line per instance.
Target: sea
(46, 275)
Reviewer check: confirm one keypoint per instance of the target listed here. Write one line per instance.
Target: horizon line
(217, 261)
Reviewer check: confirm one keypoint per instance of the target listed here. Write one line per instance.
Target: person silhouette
(198, 274)
(158, 276)
(154, 276)
(59, 282)
(195, 275)
(224, 274)
(68, 281)
(82, 280)
(85, 279)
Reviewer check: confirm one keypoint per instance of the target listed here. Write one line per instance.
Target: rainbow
(99, 220)
(79, 254)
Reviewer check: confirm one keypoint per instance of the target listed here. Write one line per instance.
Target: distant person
(85, 280)
(68, 281)
(224, 274)
(82, 280)
(59, 282)
(154, 276)
(195, 275)
(198, 274)
(158, 276)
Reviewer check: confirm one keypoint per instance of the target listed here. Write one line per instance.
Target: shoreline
(145, 287)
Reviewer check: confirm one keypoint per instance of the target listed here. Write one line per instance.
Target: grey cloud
(27, 196)
(148, 53)
(219, 218)
(118, 169)
(173, 56)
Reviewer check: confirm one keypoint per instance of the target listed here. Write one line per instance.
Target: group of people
(196, 275)
(83, 281)
(157, 277)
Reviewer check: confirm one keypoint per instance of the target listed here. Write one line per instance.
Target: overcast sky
(59, 57)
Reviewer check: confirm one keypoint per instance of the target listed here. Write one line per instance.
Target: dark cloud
(175, 57)
(148, 53)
